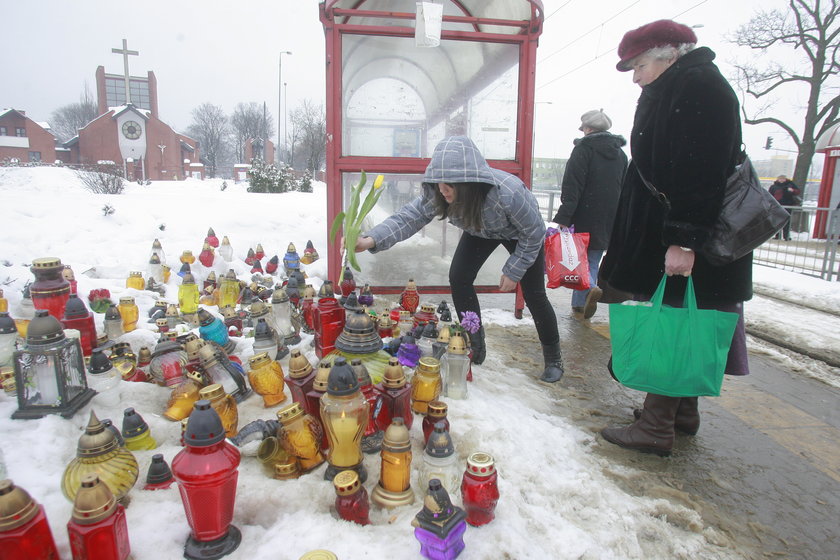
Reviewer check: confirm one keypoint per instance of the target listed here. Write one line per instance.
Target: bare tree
(309, 119)
(251, 120)
(210, 128)
(811, 29)
(67, 120)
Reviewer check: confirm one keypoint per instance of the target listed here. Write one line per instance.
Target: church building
(129, 132)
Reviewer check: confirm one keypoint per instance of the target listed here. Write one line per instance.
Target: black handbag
(749, 216)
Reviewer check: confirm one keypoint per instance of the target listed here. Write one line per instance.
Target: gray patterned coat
(510, 210)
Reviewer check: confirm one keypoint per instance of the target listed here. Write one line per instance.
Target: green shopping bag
(672, 351)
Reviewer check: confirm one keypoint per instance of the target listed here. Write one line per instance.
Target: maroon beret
(655, 34)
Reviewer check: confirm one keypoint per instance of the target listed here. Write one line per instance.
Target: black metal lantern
(49, 371)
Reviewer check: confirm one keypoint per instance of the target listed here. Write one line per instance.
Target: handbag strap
(658, 195)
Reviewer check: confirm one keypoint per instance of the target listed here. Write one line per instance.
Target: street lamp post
(280, 100)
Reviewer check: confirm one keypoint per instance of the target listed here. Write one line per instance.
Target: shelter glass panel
(425, 256)
(400, 100)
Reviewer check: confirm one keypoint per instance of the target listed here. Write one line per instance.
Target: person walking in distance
(788, 194)
(591, 185)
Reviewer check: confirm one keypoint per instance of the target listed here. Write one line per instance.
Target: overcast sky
(225, 52)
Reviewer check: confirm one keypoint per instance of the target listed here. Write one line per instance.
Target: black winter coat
(686, 140)
(591, 185)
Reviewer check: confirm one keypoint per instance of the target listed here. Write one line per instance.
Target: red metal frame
(337, 164)
(832, 155)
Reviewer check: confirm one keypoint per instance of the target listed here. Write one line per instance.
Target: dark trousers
(785, 233)
(472, 252)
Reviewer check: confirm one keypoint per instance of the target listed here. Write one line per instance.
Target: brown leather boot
(687, 419)
(653, 432)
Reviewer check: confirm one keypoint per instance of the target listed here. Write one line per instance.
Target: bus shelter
(395, 88)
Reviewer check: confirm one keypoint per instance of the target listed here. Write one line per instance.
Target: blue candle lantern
(291, 260)
(213, 329)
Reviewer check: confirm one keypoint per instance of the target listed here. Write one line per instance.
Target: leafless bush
(102, 178)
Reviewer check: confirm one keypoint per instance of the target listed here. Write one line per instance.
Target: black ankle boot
(553, 363)
(478, 351)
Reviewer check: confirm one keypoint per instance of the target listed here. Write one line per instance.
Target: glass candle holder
(479, 489)
(24, 530)
(98, 527)
(426, 384)
(344, 414)
(351, 500)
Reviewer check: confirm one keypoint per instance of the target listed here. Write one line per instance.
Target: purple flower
(470, 321)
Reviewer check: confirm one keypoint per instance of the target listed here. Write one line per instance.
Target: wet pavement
(764, 470)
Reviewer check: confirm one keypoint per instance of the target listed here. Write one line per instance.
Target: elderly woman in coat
(686, 141)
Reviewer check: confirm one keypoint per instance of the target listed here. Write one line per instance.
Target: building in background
(23, 140)
(129, 132)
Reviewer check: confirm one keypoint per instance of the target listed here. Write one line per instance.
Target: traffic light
(769, 143)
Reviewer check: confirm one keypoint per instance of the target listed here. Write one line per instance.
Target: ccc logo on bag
(571, 278)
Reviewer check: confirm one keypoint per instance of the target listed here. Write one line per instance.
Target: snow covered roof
(143, 113)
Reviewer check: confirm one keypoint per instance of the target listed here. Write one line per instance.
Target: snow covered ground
(556, 498)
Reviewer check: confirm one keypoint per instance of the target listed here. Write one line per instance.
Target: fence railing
(804, 253)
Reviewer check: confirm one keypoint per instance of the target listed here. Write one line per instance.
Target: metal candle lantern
(206, 471)
(50, 290)
(359, 335)
(24, 531)
(344, 413)
(77, 316)
(49, 371)
(98, 528)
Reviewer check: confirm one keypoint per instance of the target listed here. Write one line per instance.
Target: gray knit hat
(595, 119)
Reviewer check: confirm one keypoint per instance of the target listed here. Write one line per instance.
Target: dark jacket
(779, 190)
(510, 210)
(591, 185)
(686, 141)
